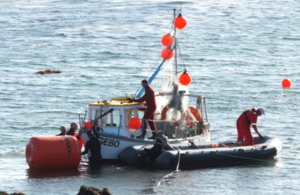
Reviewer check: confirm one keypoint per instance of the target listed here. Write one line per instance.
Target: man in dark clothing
(94, 146)
(72, 129)
(63, 131)
(149, 97)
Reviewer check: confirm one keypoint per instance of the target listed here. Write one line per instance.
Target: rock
(48, 72)
(16, 193)
(105, 191)
(84, 190)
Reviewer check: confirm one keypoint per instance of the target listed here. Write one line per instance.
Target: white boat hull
(112, 145)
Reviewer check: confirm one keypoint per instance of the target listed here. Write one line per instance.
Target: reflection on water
(51, 173)
(83, 170)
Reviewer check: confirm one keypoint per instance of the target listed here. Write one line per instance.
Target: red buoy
(88, 125)
(286, 83)
(165, 53)
(180, 22)
(80, 142)
(135, 123)
(185, 78)
(167, 40)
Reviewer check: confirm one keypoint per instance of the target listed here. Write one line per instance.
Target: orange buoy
(286, 83)
(135, 123)
(53, 152)
(167, 40)
(80, 141)
(180, 22)
(88, 125)
(185, 78)
(165, 53)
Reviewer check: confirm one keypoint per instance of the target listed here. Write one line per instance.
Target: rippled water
(237, 52)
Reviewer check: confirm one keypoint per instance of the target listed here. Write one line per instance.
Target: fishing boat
(203, 155)
(183, 118)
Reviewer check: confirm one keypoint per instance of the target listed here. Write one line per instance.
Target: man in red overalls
(247, 119)
(149, 97)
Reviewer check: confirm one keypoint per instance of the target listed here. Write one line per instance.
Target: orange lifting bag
(53, 152)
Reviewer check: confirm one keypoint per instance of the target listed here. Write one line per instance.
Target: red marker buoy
(135, 123)
(88, 125)
(180, 22)
(185, 78)
(167, 40)
(286, 83)
(165, 53)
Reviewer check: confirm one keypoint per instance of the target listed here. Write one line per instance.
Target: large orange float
(196, 113)
(53, 152)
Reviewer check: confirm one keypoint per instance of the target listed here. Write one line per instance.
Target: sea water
(237, 52)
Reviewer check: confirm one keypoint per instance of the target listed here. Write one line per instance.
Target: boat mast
(174, 10)
(141, 91)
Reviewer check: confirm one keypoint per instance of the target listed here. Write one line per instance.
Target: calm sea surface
(238, 52)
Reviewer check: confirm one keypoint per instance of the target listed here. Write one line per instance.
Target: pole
(140, 93)
(153, 75)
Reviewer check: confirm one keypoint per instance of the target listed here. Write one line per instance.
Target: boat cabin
(113, 116)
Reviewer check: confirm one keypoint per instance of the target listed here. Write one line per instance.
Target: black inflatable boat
(212, 154)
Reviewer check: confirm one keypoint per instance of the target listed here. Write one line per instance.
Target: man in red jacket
(149, 97)
(245, 121)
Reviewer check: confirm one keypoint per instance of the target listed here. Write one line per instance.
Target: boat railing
(178, 129)
(82, 119)
(201, 101)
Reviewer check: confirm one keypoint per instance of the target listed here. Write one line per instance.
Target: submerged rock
(49, 72)
(16, 193)
(84, 190)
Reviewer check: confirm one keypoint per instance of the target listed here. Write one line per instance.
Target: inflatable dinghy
(212, 154)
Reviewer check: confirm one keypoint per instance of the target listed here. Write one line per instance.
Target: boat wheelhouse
(111, 122)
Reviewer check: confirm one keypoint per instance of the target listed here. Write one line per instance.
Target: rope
(242, 157)
(168, 175)
(196, 83)
(170, 26)
(150, 72)
(225, 108)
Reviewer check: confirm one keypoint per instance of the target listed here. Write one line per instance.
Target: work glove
(260, 136)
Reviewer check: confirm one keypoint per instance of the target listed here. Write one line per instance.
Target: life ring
(164, 112)
(196, 113)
